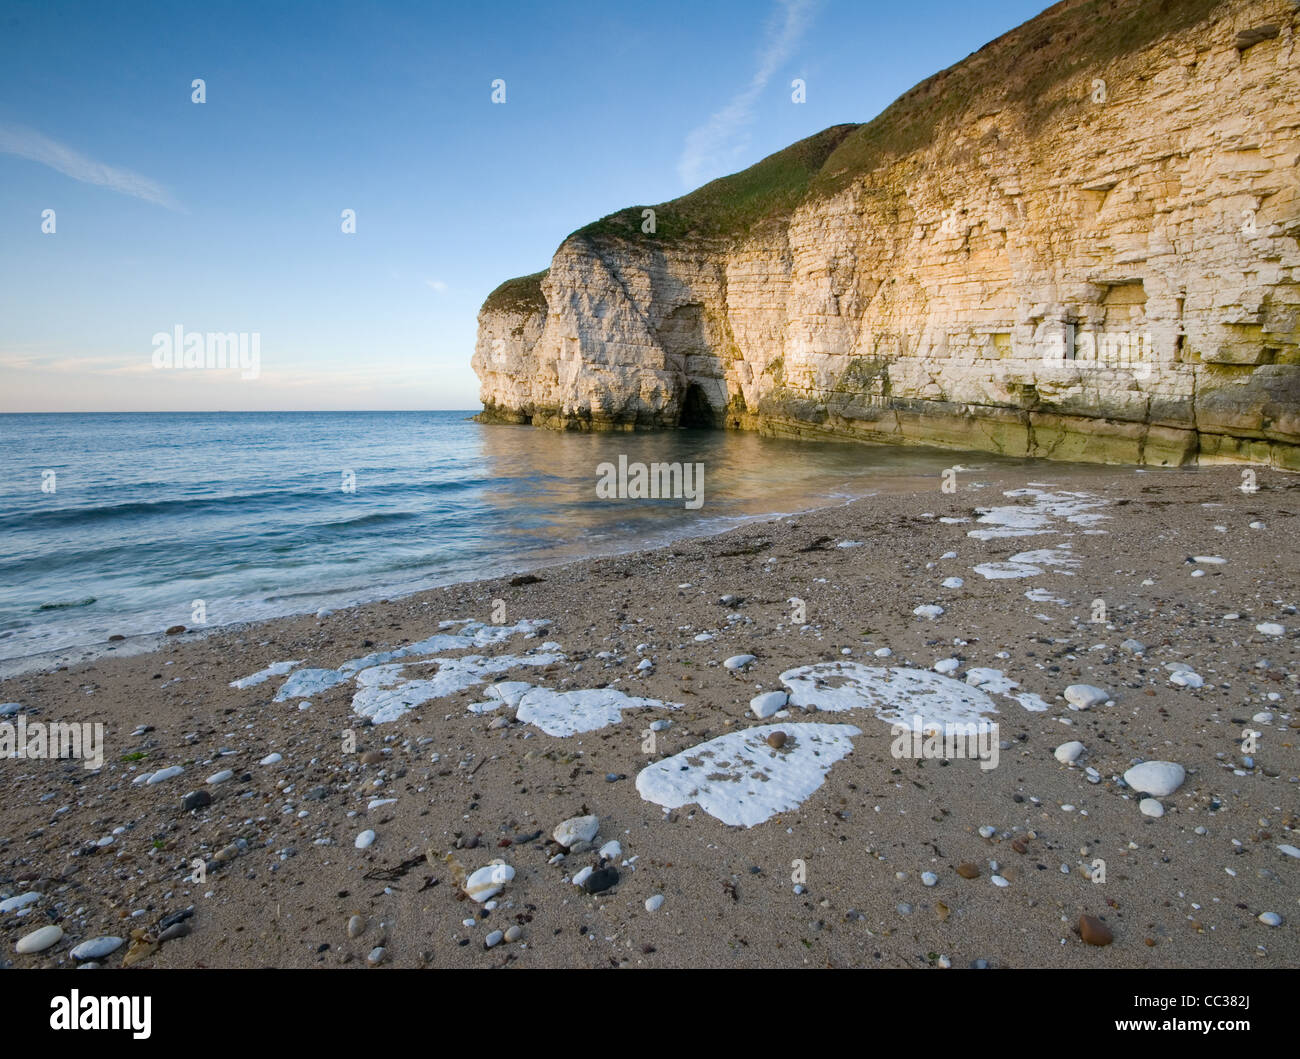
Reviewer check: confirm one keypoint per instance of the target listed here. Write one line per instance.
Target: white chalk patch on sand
(275, 669)
(1029, 564)
(505, 693)
(1042, 595)
(566, 713)
(1045, 508)
(896, 695)
(386, 694)
(308, 682)
(900, 696)
(738, 779)
(995, 682)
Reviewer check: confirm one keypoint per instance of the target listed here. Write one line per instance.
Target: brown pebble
(1150, 943)
(175, 629)
(1094, 931)
(776, 740)
(1019, 846)
(968, 870)
(372, 757)
(942, 909)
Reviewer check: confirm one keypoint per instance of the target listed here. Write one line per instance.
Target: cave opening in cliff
(697, 413)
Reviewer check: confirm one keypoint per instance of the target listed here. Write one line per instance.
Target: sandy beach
(445, 726)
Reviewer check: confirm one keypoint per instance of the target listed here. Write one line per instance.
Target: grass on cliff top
(522, 295)
(1019, 71)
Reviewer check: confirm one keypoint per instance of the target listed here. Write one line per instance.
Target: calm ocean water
(247, 511)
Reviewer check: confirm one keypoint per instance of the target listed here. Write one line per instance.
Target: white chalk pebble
(998, 881)
(1151, 807)
(1068, 753)
(953, 582)
(653, 904)
(1085, 696)
(1156, 778)
(271, 759)
(221, 777)
(1270, 628)
(928, 878)
(39, 940)
(493, 939)
(987, 831)
(947, 666)
(1270, 919)
(736, 662)
(763, 706)
(365, 840)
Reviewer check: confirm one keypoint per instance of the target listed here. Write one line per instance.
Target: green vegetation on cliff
(520, 295)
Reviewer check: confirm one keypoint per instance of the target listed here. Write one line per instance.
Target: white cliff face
(1119, 284)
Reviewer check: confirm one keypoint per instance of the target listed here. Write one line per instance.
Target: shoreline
(869, 829)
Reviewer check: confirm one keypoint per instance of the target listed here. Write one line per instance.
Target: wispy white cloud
(717, 146)
(30, 144)
(436, 285)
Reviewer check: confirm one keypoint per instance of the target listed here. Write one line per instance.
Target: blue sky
(225, 216)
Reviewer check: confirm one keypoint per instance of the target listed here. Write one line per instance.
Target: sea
(127, 524)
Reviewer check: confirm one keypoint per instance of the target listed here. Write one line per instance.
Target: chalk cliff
(1080, 242)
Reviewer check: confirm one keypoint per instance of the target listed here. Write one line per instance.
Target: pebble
(1270, 628)
(1068, 753)
(1290, 851)
(12, 904)
(967, 870)
(611, 850)
(163, 774)
(195, 800)
(365, 840)
(488, 881)
(997, 880)
(600, 880)
(271, 759)
(953, 582)
(376, 956)
(514, 933)
(1151, 807)
(1156, 778)
(356, 926)
(1137, 647)
(928, 878)
(1270, 919)
(493, 939)
(221, 777)
(1094, 931)
(776, 740)
(1085, 696)
(576, 829)
(736, 662)
(96, 948)
(763, 706)
(39, 940)
(653, 904)
(371, 757)
(987, 831)
(928, 610)
(947, 666)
